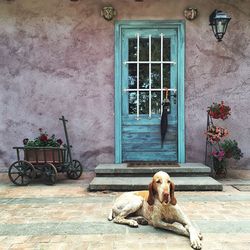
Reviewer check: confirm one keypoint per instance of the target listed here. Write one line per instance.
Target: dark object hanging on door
(164, 119)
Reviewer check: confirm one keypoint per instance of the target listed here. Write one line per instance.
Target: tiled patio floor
(67, 216)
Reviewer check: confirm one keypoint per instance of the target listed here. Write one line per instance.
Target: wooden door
(148, 60)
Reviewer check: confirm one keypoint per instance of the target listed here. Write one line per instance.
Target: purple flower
(25, 141)
(59, 141)
(219, 154)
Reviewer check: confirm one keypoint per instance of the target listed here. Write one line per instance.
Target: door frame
(180, 28)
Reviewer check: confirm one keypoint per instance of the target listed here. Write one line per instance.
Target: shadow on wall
(91, 158)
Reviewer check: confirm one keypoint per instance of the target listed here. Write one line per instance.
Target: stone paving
(67, 216)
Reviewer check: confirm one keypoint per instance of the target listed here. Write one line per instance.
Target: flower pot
(229, 154)
(219, 168)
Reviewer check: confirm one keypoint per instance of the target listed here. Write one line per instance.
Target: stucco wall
(57, 57)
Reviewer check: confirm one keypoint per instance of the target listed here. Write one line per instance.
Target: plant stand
(208, 149)
(218, 168)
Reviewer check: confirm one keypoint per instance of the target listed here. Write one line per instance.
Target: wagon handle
(66, 136)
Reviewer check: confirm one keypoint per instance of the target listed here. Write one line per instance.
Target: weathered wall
(57, 57)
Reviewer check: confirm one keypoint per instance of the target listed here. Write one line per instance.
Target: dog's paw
(196, 243)
(133, 223)
(142, 221)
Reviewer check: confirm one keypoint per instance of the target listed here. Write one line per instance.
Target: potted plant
(219, 111)
(221, 148)
(43, 148)
(216, 133)
(231, 149)
(219, 163)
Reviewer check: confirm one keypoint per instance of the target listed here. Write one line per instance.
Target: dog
(157, 207)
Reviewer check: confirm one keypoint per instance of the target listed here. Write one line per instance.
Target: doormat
(152, 164)
(243, 188)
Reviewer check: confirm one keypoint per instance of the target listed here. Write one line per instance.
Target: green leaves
(43, 140)
(231, 149)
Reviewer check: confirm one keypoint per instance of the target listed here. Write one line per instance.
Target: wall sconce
(219, 21)
(108, 13)
(190, 13)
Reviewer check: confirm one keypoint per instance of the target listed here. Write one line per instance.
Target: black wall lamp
(219, 21)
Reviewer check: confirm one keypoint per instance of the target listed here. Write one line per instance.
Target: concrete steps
(120, 177)
(122, 170)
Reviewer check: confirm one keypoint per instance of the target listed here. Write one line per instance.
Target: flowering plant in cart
(44, 156)
(43, 140)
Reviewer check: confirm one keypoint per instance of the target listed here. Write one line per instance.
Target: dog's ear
(173, 200)
(151, 196)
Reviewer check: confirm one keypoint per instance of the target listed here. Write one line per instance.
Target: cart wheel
(49, 174)
(21, 173)
(75, 170)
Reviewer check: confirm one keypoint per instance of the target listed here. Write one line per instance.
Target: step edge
(141, 187)
(154, 170)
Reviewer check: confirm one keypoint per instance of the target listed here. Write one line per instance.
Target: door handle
(174, 95)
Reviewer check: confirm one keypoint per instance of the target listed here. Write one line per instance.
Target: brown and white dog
(157, 207)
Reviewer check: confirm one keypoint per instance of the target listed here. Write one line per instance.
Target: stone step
(201, 183)
(122, 170)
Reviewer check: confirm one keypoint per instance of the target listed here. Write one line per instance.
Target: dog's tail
(110, 217)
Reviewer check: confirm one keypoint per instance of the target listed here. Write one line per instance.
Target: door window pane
(132, 102)
(144, 49)
(166, 49)
(143, 102)
(155, 76)
(159, 74)
(132, 49)
(132, 76)
(156, 102)
(155, 49)
(166, 76)
(144, 76)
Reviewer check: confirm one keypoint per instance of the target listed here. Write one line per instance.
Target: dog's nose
(166, 196)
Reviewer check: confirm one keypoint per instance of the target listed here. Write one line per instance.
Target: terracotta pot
(229, 154)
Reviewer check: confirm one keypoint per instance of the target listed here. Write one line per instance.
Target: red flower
(219, 111)
(43, 138)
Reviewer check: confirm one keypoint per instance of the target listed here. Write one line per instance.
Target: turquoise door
(148, 65)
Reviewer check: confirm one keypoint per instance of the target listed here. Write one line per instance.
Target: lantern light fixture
(219, 20)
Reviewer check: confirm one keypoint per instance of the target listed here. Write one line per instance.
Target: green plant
(43, 140)
(231, 149)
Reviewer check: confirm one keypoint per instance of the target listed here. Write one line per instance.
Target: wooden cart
(44, 162)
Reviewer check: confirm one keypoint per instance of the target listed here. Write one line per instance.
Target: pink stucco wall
(57, 57)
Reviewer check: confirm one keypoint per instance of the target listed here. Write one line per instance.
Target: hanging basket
(219, 111)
